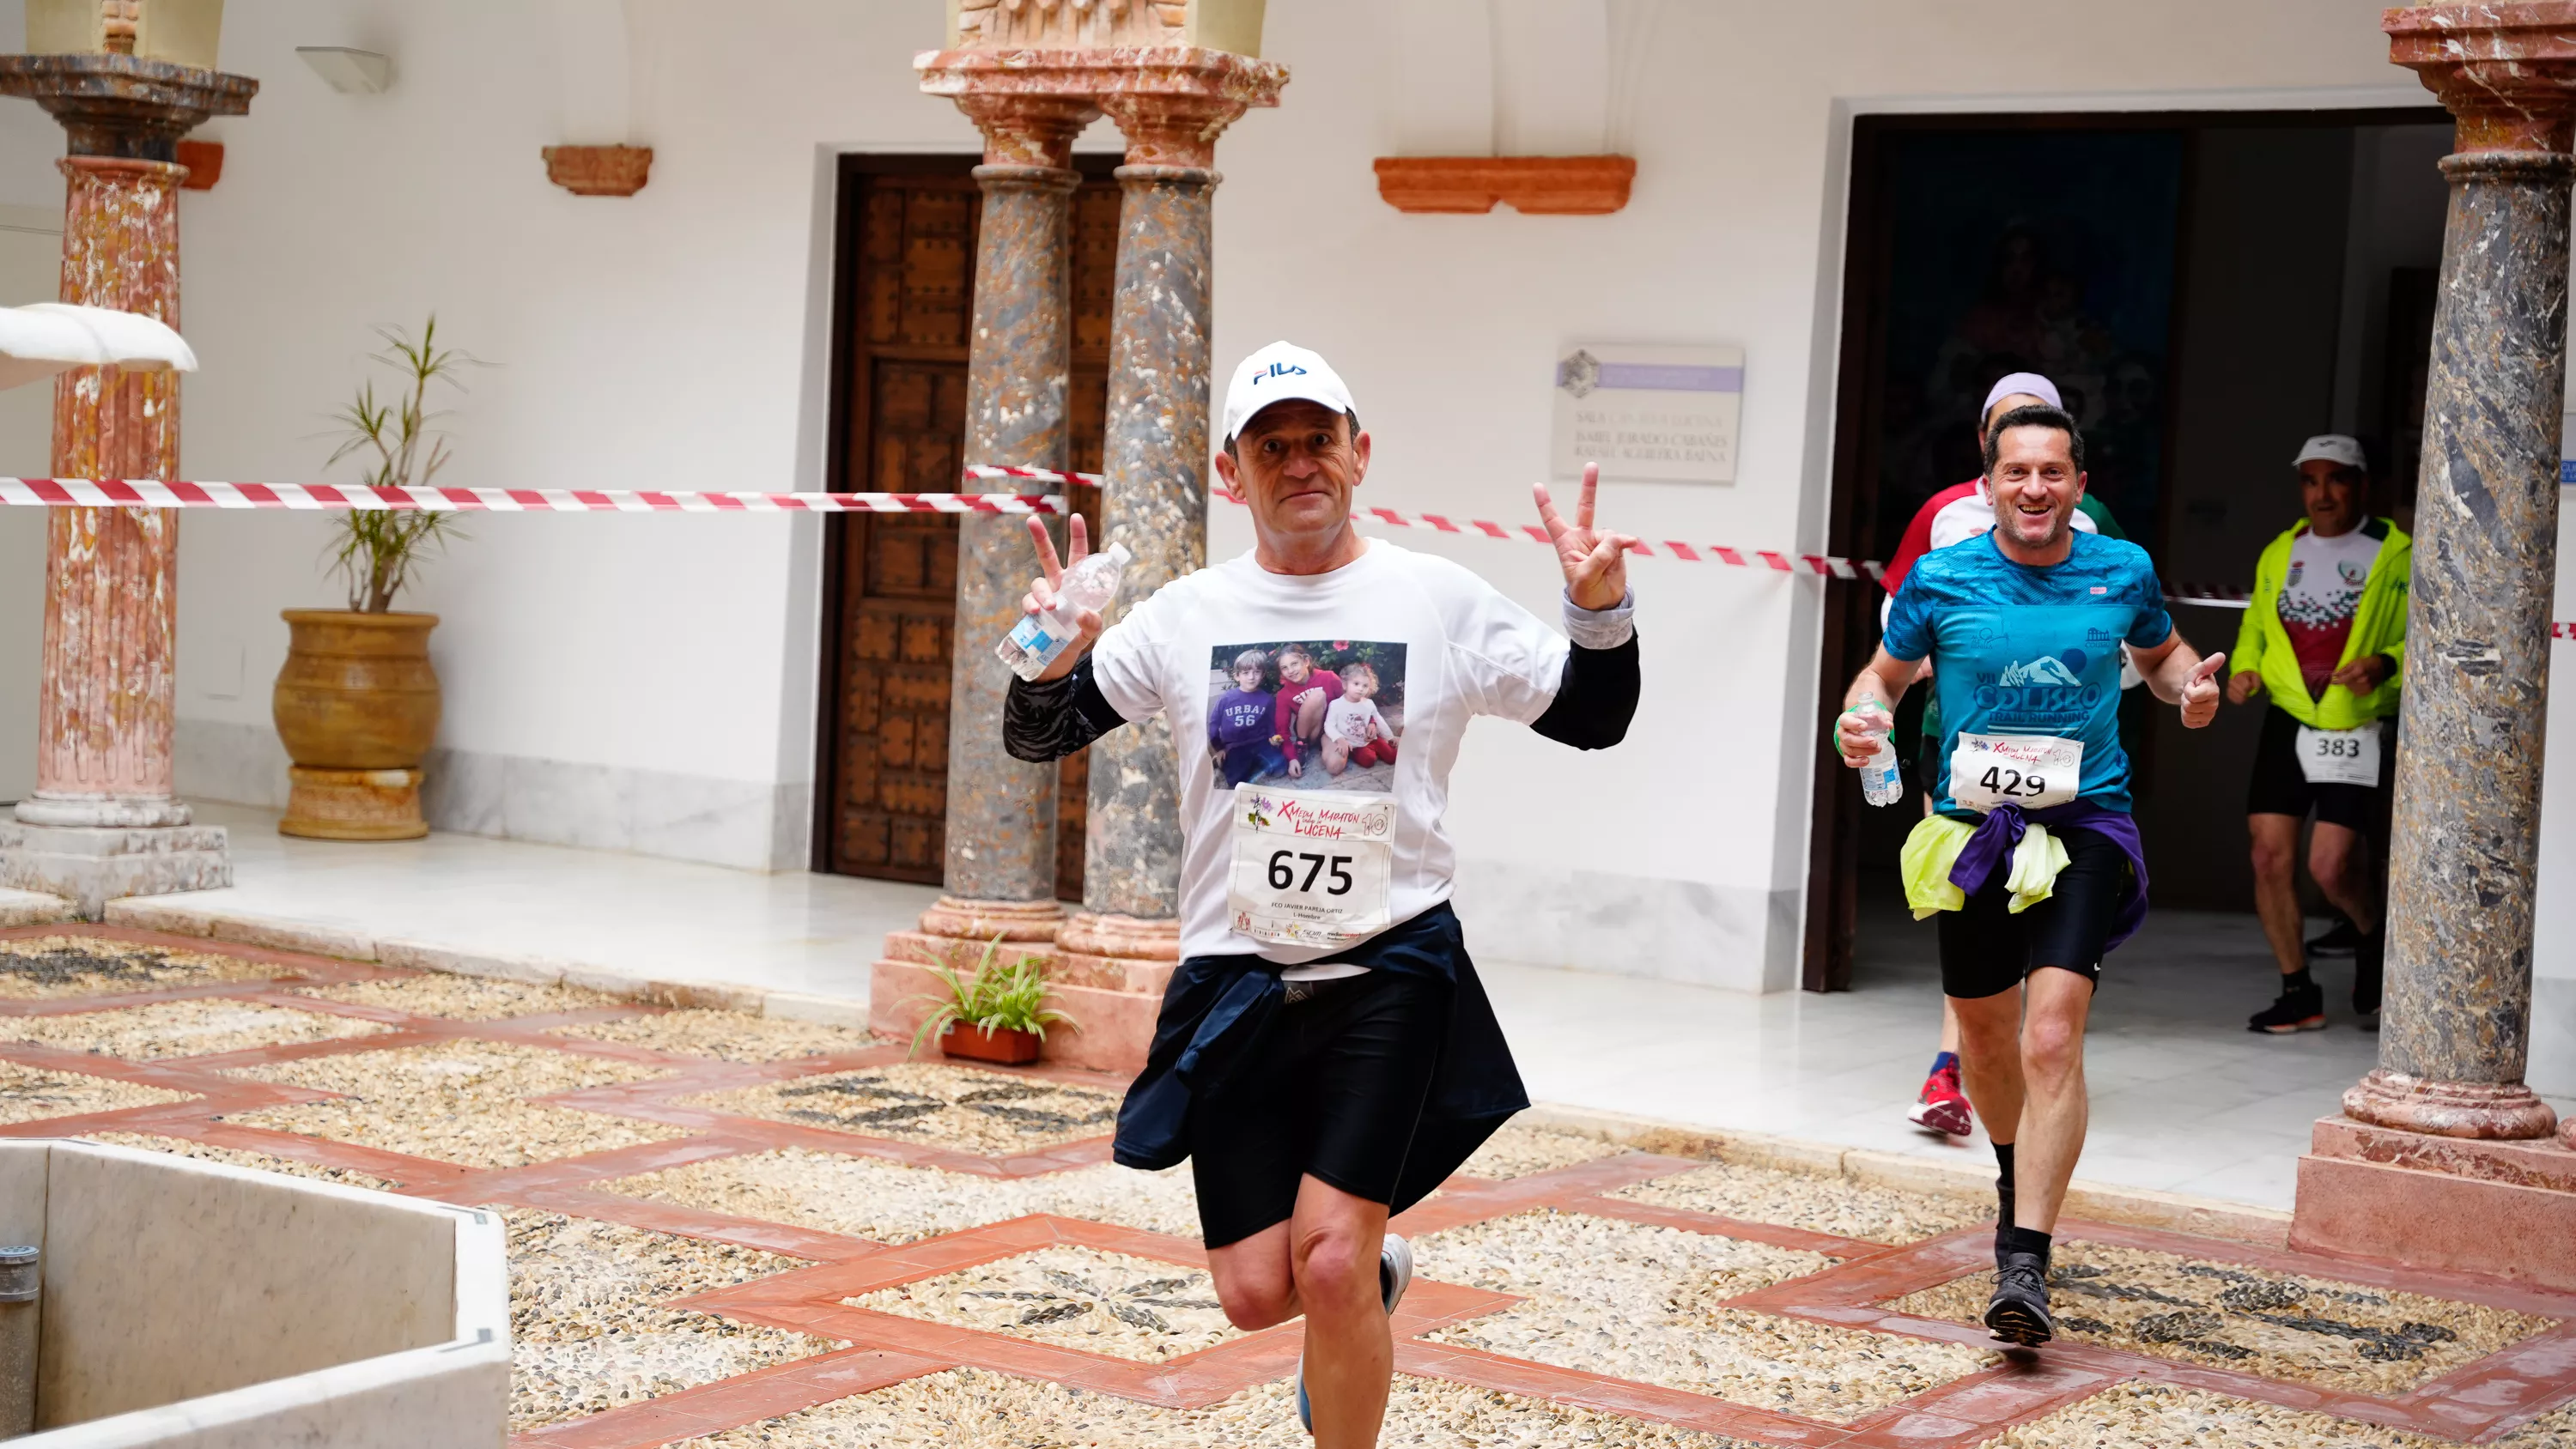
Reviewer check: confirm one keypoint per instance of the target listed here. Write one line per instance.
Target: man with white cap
(1954, 515)
(2326, 637)
(1325, 1054)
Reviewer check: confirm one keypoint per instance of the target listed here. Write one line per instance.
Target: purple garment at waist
(2000, 832)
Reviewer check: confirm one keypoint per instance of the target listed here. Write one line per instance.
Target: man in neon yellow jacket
(2326, 638)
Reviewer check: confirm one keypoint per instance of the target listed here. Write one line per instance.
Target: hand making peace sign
(1595, 563)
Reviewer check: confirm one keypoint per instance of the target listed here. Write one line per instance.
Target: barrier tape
(150, 493)
(1821, 564)
(2209, 596)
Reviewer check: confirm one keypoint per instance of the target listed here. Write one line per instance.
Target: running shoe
(1942, 1107)
(2340, 939)
(1394, 1271)
(2018, 1313)
(2298, 1008)
(1394, 1275)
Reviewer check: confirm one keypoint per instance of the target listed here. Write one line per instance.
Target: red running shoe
(1943, 1108)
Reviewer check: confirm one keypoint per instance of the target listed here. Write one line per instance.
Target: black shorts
(2280, 787)
(1987, 950)
(1334, 1088)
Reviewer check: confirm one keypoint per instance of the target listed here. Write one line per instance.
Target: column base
(103, 812)
(1107, 972)
(353, 805)
(2507, 1112)
(2505, 1209)
(90, 867)
(979, 920)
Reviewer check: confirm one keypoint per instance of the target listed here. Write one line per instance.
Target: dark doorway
(2206, 290)
(903, 298)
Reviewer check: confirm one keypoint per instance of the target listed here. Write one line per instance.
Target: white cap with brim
(1279, 373)
(2334, 448)
(2021, 384)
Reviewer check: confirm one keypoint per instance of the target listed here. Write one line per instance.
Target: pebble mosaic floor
(727, 1231)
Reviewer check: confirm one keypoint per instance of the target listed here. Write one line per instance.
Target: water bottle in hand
(1880, 784)
(1037, 639)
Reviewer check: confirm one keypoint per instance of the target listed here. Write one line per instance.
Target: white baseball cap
(2026, 384)
(1276, 374)
(2334, 448)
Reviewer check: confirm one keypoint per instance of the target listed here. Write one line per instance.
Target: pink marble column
(111, 574)
(102, 822)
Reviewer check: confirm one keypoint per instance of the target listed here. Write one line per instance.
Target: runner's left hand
(2362, 675)
(2200, 692)
(1595, 562)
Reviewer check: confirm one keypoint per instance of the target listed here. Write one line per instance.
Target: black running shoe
(2340, 939)
(2298, 1008)
(2368, 960)
(2018, 1313)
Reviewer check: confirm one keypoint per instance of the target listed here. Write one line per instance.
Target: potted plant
(999, 1016)
(357, 704)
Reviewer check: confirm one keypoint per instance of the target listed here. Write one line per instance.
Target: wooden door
(908, 236)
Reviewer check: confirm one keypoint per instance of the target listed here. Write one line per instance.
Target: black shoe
(2018, 1313)
(2368, 960)
(2340, 939)
(2298, 1008)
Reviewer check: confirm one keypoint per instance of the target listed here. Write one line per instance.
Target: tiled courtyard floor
(733, 1231)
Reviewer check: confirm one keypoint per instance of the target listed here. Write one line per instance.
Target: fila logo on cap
(1281, 372)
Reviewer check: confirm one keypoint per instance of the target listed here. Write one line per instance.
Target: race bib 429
(2031, 771)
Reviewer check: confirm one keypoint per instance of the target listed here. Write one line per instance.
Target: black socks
(2298, 980)
(2004, 1185)
(2022, 1240)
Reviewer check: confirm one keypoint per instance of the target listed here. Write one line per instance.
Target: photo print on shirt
(1306, 714)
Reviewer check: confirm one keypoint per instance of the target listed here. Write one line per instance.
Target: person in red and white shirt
(1955, 514)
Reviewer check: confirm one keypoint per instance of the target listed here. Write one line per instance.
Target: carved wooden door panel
(898, 592)
(909, 228)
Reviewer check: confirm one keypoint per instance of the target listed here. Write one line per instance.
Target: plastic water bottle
(1037, 639)
(1880, 784)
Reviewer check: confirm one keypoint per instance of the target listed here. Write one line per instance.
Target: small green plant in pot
(1000, 1015)
(357, 703)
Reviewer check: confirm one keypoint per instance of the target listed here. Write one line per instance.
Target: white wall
(650, 682)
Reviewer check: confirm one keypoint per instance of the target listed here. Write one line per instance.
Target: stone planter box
(189, 1303)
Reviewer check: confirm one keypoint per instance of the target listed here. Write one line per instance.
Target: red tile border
(768, 1393)
(2475, 1401)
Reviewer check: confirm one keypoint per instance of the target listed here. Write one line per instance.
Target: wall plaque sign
(1649, 414)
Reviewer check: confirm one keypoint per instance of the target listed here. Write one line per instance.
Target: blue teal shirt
(2018, 650)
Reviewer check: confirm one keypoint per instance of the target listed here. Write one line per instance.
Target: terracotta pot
(357, 709)
(975, 1044)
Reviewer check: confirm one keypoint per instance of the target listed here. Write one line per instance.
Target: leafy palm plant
(377, 548)
(998, 999)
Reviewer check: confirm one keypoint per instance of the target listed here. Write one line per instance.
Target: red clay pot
(975, 1044)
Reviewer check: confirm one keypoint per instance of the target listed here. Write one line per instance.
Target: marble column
(2463, 863)
(1153, 494)
(102, 822)
(1000, 872)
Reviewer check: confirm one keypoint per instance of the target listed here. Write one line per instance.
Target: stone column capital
(1022, 129)
(1172, 101)
(2506, 72)
(120, 105)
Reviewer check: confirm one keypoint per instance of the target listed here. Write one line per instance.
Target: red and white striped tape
(1744, 558)
(2216, 596)
(150, 493)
